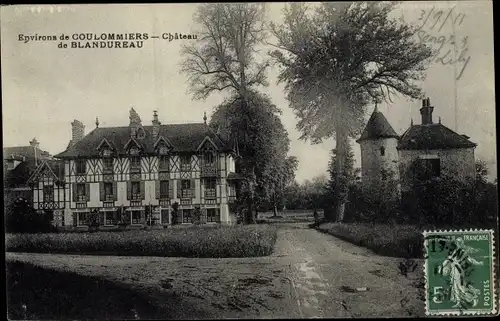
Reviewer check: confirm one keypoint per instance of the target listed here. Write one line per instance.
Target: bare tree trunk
(341, 184)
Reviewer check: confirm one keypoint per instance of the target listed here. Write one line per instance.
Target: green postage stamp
(460, 272)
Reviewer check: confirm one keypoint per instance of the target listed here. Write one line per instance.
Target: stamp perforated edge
(493, 274)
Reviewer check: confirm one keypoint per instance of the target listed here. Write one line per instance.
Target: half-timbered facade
(49, 191)
(134, 174)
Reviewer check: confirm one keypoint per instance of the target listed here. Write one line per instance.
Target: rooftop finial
(411, 122)
(376, 108)
(440, 119)
(97, 122)
(205, 117)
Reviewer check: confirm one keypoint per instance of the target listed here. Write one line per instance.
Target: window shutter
(73, 188)
(75, 219)
(157, 189)
(129, 189)
(87, 191)
(170, 190)
(101, 218)
(143, 190)
(193, 188)
(101, 191)
(115, 191)
(179, 188)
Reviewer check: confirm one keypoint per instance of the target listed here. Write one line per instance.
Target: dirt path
(309, 275)
(327, 271)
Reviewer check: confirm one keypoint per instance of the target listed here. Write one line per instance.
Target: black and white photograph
(247, 160)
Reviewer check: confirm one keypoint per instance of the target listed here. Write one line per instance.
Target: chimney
(135, 122)
(77, 132)
(156, 125)
(35, 146)
(426, 111)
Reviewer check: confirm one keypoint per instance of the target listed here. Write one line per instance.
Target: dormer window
(186, 163)
(209, 159)
(107, 161)
(135, 163)
(164, 163)
(81, 166)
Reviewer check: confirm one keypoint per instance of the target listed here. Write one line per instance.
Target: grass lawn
(196, 241)
(389, 240)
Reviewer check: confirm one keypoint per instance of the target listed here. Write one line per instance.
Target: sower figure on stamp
(454, 268)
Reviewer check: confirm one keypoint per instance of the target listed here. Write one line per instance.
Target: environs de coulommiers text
(106, 40)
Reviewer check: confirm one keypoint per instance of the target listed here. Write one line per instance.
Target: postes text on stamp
(459, 272)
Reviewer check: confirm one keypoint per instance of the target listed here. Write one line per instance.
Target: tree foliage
(340, 59)
(263, 143)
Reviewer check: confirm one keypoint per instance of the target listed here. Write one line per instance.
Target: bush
(22, 218)
(218, 241)
(384, 239)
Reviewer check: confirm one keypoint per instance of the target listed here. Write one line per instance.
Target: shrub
(390, 240)
(22, 218)
(218, 241)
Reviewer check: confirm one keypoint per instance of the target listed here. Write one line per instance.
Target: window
(109, 218)
(213, 215)
(164, 163)
(135, 163)
(428, 169)
(210, 185)
(81, 166)
(135, 217)
(209, 159)
(80, 193)
(186, 188)
(107, 164)
(141, 133)
(164, 189)
(185, 163)
(136, 190)
(382, 151)
(48, 193)
(186, 216)
(83, 218)
(108, 192)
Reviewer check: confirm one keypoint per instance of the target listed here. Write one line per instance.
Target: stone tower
(379, 157)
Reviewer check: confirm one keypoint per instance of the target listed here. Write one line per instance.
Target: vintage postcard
(249, 160)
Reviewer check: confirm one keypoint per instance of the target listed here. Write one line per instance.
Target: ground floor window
(186, 216)
(83, 218)
(135, 217)
(109, 218)
(213, 215)
(164, 216)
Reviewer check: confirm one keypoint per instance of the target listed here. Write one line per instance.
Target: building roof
(182, 137)
(377, 127)
(433, 136)
(23, 151)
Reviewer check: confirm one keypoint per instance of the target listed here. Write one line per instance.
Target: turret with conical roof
(379, 156)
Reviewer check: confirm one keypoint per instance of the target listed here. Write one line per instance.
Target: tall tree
(339, 60)
(224, 59)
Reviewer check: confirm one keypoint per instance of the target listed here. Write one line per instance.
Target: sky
(44, 88)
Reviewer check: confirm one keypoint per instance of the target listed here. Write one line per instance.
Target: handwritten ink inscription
(449, 50)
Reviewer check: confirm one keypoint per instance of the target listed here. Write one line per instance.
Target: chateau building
(134, 174)
(423, 152)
